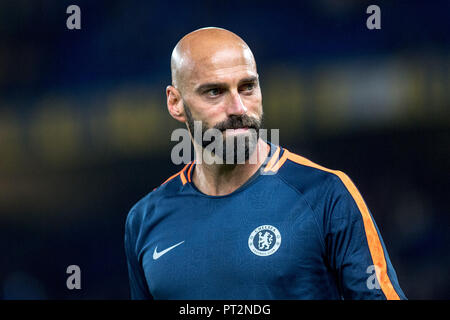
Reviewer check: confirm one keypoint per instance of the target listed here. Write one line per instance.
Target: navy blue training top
(295, 230)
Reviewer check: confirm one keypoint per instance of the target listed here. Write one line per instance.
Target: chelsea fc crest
(264, 240)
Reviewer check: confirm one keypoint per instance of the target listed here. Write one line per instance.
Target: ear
(175, 104)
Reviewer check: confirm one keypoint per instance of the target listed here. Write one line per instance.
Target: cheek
(200, 111)
(209, 115)
(253, 103)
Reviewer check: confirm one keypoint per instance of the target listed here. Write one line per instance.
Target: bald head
(204, 50)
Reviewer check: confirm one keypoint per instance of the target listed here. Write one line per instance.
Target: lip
(236, 131)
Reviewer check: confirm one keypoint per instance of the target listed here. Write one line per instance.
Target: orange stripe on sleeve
(171, 177)
(280, 162)
(189, 171)
(272, 160)
(375, 247)
(183, 178)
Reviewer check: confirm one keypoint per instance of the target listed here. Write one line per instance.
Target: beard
(232, 145)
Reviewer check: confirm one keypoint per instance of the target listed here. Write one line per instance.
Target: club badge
(264, 240)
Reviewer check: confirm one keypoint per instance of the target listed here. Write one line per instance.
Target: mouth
(235, 131)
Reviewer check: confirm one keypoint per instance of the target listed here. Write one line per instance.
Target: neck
(223, 179)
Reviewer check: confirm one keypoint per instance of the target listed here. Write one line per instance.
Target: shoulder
(325, 189)
(304, 174)
(322, 187)
(171, 186)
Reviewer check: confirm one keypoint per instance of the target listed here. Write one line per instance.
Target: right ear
(175, 104)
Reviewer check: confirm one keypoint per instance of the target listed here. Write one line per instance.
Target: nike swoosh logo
(157, 255)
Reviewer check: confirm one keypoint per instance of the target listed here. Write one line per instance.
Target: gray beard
(233, 151)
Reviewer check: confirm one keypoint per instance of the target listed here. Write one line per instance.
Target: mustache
(238, 122)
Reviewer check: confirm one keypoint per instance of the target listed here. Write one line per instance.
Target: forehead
(226, 64)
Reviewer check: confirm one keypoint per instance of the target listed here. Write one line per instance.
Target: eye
(214, 92)
(248, 87)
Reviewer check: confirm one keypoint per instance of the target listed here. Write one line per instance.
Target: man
(277, 226)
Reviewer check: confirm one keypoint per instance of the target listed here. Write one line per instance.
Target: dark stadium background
(84, 131)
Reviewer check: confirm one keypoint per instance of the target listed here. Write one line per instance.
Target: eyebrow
(212, 85)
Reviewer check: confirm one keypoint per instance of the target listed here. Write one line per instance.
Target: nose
(235, 106)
